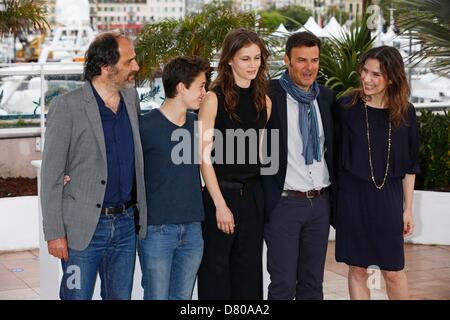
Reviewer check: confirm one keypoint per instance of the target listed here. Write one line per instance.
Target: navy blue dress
(369, 222)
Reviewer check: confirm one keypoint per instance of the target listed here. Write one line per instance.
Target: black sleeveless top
(236, 157)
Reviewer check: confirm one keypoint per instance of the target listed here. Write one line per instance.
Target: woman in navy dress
(378, 159)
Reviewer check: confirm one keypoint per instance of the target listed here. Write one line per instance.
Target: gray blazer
(75, 145)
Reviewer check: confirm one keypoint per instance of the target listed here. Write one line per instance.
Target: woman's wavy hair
(397, 89)
(234, 41)
(103, 51)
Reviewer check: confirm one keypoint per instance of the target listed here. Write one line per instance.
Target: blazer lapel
(130, 104)
(282, 113)
(93, 115)
(324, 114)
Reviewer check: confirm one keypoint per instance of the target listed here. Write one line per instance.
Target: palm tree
(200, 35)
(22, 16)
(339, 58)
(429, 23)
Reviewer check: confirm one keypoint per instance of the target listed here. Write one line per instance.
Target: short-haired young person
(172, 251)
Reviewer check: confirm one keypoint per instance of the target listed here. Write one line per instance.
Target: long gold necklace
(370, 152)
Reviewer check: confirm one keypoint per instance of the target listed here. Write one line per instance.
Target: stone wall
(17, 150)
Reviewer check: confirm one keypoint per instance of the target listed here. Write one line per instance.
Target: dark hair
(234, 41)
(301, 39)
(182, 69)
(103, 51)
(393, 71)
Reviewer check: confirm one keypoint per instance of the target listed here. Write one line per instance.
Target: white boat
(68, 44)
(73, 35)
(20, 86)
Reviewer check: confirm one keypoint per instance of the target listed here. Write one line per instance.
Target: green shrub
(434, 151)
(20, 123)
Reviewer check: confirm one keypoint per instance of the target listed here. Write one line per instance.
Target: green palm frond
(339, 58)
(23, 16)
(429, 23)
(200, 34)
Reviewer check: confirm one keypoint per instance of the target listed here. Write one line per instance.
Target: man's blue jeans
(112, 253)
(170, 256)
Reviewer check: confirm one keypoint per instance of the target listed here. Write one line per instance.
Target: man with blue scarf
(298, 197)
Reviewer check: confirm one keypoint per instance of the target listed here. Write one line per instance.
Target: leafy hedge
(434, 150)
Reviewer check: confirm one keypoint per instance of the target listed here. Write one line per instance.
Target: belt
(118, 209)
(231, 184)
(308, 194)
(236, 182)
(235, 185)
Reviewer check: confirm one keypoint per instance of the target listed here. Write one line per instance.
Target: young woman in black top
(237, 108)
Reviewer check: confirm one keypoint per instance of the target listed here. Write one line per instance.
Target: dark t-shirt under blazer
(173, 189)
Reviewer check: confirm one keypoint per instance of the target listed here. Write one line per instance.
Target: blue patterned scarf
(309, 127)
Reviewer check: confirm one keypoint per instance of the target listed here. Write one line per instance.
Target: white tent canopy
(312, 26)
(281, 31)
(333, 29)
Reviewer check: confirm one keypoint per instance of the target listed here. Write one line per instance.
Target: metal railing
(435, 106)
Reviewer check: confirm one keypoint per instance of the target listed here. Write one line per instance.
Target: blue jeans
(112, 253)
(170, 256)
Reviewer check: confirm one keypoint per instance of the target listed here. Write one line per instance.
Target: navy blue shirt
(119, 145)
(173, 189)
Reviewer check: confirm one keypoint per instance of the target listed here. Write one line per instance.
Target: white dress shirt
(299, 176)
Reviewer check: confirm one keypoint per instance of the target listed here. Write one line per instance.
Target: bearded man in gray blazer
(91, 218)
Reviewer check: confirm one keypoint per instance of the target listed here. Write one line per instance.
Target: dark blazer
(273, 184)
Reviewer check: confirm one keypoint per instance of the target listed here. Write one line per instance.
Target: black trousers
(232, 264)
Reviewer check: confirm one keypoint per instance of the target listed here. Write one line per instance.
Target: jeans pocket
(130, 212)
